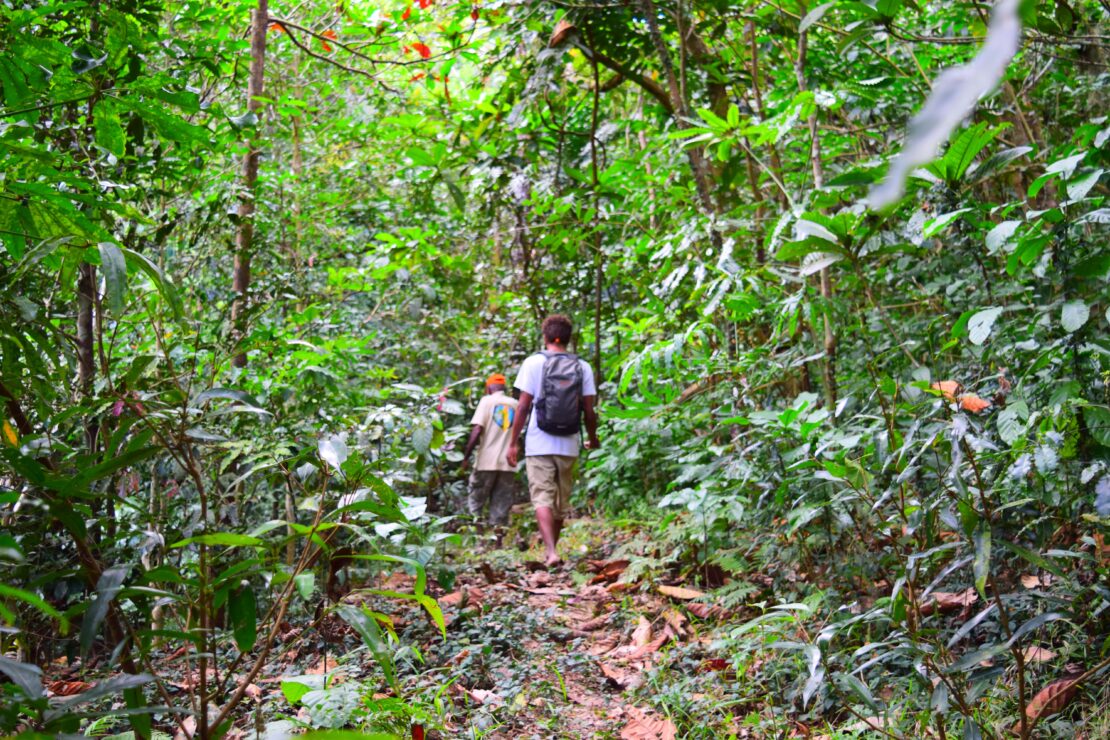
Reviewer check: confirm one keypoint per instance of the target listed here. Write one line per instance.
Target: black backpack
(559, 405)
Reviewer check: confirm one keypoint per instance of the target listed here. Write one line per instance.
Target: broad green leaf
(24, 675)
(367, 627)
(814, 16)
(114, 268)
(1097, 419)
(242, 612)
(981, 565)
(1011, 421)
(107, 587)
(980, 324)
(220, 539)
(1074, 315)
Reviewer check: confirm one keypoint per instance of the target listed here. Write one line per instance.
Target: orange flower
(422, 49)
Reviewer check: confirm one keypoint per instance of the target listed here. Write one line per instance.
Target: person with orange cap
(491, 482)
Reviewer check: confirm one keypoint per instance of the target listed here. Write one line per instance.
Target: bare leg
(549, 531)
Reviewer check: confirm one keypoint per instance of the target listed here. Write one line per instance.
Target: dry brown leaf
(594, 624)
(491, 575)
(646, 727)
(945, 601)
(462, 598)
(621, 678)
(488, 698)
(1052, 698)
(677, 621)
(1031, 581)
(328, 663)
(67, 688)
(679, 592)
(1038, 654)
(610, 571)
(642, 634)
(562, 29)
(973, 403)
(947, 388)
(654, 645)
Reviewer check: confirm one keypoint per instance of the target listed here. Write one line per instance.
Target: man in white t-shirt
(550, 458)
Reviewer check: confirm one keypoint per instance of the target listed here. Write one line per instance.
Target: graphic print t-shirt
(530, 380)
(495, 415)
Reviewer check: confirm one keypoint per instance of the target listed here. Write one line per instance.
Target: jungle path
(562, 652)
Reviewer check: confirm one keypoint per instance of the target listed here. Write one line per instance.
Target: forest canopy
(840, 269)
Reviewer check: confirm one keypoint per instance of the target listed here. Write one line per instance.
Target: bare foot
(553, 561)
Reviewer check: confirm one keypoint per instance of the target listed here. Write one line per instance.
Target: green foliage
(827, 415)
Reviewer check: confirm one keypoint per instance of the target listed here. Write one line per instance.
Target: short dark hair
(557, 329)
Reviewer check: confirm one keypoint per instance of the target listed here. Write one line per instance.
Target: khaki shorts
(494, 487)
(550, 478)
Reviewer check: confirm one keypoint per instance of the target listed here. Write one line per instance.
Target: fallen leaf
(491, 575)
(1052, 698)
(677, 621)
(646, 727)
(678, 592)
(973, 403)
(326, 664)
(945, 601)
(593, 624)
(67, 688)
(462, 598)
(947, 388)
(654, 645)
(254, 691)
(621, 678)
(562, 29)
(610, 571)
(642, 634)
(1038, 654)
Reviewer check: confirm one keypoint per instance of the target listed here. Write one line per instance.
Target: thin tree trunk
(599, 263)
(86, 343)
(757, 91)
(244, 242)
(698, 166)
(818, 183)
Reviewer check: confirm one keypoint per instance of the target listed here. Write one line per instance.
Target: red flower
(423, 50)
(474, 13)
(407, 13)
(424, 4)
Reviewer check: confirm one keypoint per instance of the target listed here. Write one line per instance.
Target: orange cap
(496, 379)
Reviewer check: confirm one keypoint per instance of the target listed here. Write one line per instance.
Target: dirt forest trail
(558, 653)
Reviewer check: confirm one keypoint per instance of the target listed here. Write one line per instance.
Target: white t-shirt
(530, 380)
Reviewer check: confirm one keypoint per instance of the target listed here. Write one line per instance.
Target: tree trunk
(244, 242)
(698, 166)
(818, 183)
